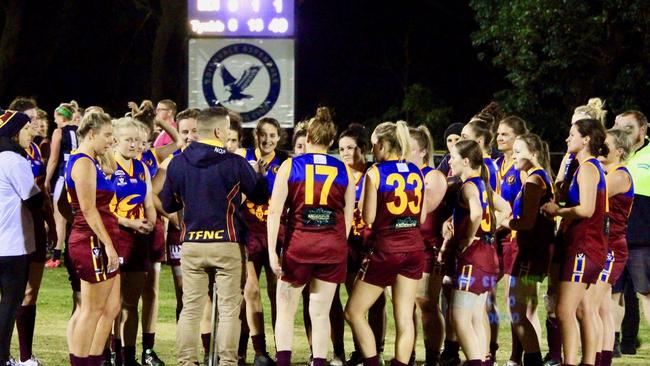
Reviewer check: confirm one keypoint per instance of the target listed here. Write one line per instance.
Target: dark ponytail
(597, 135)
(472, 151)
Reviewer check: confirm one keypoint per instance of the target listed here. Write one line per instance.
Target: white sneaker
(510, 363)
(31, 362)
(336, 361)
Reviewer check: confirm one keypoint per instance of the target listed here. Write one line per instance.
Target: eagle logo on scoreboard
(243, 78)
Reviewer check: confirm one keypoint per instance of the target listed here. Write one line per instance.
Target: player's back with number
(316, 227)
(399, 188)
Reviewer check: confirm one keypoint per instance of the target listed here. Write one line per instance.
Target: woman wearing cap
(18, 195)
(64, 140)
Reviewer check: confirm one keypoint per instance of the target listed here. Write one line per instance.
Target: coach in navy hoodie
(207, 182)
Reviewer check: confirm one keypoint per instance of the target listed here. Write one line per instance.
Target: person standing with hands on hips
(207, 182)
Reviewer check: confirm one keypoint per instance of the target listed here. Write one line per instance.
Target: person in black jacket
(208, 183)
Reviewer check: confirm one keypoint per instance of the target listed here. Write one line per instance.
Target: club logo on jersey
(141, 177)
(511, 180)
(121, 181)
(275, 169)
(259, 211)
(243, 78)
(97, 252)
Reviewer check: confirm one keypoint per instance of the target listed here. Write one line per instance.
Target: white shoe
(335, 361)
(510, 363)
(31, 362)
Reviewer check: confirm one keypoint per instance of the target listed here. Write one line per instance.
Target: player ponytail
(595, 130)
(481, 129)
(395, 137)
(321, 130)
(422, 135)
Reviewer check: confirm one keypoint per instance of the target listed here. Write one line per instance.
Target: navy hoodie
(207, 182)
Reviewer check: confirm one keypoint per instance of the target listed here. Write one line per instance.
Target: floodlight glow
(208, 5)
(233, 5)
(256, 25)
(279, 25)
(233, 24)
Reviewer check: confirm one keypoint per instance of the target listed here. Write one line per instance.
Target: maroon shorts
(75, 283)
(88, 257)
(381, 268)
(174, 244)
(299, 274)
(531, 263)
(580, 268)
(613, 269)
(133, 251)
(471, 278)
(508, 255)
(157, 243)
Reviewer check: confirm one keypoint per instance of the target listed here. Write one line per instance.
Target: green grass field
(54, 307)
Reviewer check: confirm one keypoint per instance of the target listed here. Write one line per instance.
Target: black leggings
(13, 280)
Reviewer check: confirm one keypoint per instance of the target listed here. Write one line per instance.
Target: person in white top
(18, 196)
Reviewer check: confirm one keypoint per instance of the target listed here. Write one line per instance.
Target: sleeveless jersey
(400, 191)
(510, 180)
(103, 198)
(620, 207)
(542, 232)
(150, 159)
(130, 190)
(481, 252)
(36, 161)
(588, 235)
(315, 229)
(493, 172)
(69, 143)
(255, 215)
(431, 230)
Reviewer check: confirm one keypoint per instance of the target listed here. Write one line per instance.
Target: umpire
(207, 182)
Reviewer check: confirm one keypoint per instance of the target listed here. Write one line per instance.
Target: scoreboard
(241, 18)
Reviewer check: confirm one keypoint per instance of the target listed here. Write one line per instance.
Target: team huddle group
(124, 197)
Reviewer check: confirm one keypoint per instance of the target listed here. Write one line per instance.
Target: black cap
(454, 129)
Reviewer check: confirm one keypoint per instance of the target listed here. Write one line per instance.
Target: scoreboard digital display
(241, 18)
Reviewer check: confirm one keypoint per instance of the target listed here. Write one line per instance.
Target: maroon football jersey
(431, 229)
(400, 190)
(315, 230)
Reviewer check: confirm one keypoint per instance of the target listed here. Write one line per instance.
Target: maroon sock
(494, 346)
(339, 350)
(517, 348)
(148, 340)
(128, 354)
(95, 360)
(78, 361)
(259, 344)
(205, 340)
(598, 359)
(474, 363)
(567, 364)
(606, 358)
(451, 347)
(586, 364)
(394, 362)
(283, 358)
(243, 344)
(25, 321)
(318, 361)
(554, 338)
(488, 361)
(371, 361)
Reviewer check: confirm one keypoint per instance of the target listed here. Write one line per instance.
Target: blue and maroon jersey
(484, 256)
(130, 190)
(588, 235)
(542, 232)
(431, 229)
(620, 207)
(400, 190)
(36, 161)
(104, 196)
(150, 159)
(355, 239)
(493, 172)
(510, 180)
(255, 215)
(315, 231)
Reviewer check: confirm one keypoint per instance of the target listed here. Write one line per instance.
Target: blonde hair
(119, 125)
(321, 130)
(92, 121)
(395, 136)
(594, 109)
(621, 141)
(422, 135)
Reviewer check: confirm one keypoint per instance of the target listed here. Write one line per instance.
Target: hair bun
(323, 114)
(596, 103)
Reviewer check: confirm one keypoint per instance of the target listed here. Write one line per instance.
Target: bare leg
(363, 296)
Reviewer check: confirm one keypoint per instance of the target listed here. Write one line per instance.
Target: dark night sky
(350, 55)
